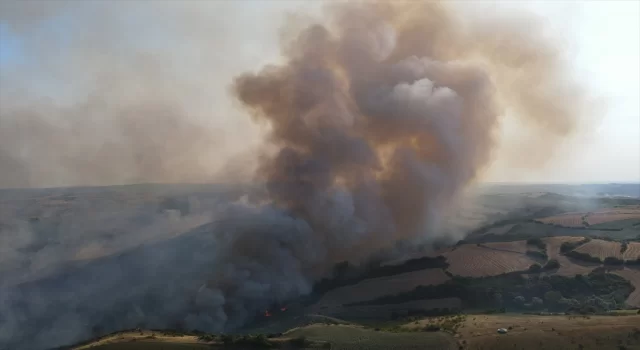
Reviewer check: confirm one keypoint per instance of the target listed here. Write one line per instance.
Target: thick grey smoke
(103, 93)
(379, 117)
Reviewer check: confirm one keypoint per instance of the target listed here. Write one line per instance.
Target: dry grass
(632, 252)
(377, 287)
(601, 249)
(515, 246)
(500, 230)
(476, 261)
(575, 219)
(615, 214)
(145, 340)
(549, 332)
(633, 275)
(566, 220)
(358, 338)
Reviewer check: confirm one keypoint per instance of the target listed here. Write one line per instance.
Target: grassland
(453, 332)
(358, 338)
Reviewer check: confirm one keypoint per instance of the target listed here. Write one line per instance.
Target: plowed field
(633, 275)
(475, 261)
(601, 249)
(632, 252)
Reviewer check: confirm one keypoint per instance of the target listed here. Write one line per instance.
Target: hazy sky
(602, 39)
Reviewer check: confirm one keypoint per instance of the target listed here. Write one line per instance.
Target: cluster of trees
(537, 242)
(596, 292)
(552, 264)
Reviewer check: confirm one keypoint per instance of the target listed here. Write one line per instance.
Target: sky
(601, 39)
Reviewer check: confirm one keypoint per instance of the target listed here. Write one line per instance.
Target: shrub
(610, 260)
(535, 267)
(552, 264)
(537, 255)
(583, 257)
(537, 242)
(624, 246)
(300, 342)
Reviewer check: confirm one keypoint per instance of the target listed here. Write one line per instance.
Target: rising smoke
(379, 117)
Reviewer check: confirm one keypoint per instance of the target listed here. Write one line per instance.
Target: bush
(583, 257)
(537, 255)
(431, 328)
(537, 242)
(300, 342)
(624, 246)
(552, 264)
(535, 268)
(610, 260)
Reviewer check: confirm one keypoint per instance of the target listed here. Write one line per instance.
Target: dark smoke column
(374, 142)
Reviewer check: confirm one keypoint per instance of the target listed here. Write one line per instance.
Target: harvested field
(632, 252)
(601, 249)
(475, 261)
(568, 267)
(500, 230)
(633, 276)
(377, 287)
(382, 312)
(567, 220)
(515, 246)
(614, 214)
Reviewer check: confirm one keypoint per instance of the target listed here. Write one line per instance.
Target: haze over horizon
(46, 60)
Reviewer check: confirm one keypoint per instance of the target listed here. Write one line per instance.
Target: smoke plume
(379, 116)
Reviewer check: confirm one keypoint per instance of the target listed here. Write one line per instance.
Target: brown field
(601, 216)
(377, 287)
(633, 275)
(567, 267)
(474, 261)
(632, 252)
(614, 214)
(500, 230)
(567, 220)
(601, 249)
(515, 246)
